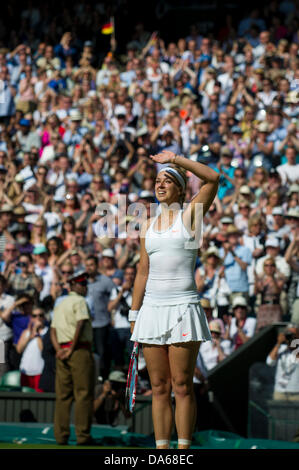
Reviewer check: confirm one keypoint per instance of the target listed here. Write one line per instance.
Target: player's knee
(161, 388)
(181, 387)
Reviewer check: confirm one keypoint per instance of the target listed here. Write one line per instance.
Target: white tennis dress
(171, 310)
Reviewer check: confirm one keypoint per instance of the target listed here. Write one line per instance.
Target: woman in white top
(170, 321)
(30, 345)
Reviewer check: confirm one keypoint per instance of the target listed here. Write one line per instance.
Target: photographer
(110, 399)
(120, 303)
(285, 359)
(25, 282)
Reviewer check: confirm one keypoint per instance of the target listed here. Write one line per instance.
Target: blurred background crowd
(81, 112)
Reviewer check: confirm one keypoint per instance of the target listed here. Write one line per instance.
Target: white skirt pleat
(169, 324)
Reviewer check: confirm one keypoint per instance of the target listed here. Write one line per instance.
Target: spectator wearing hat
(269, 285)
(71, 335)
(109, 401)
(21, 235)
(99, 291)
(210, 280)
(242, 219)
(212, 352)
(237, 146)
(279, 229)
(272, 247)
(254, 240)
(27, 138)
(237, 258)
(242, 327)
(292, 220)
(5, 220)
(108, 263)
(226, 171)
(42, 269)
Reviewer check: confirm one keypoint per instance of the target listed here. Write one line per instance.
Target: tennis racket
(132, 379)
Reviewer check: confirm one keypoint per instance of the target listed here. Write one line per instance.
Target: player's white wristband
(133, 315)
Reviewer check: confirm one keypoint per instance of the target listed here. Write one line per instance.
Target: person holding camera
(26, 281)
(269, 285)
(285, 357)
(30, 347)
(119, 306)
(110, 399)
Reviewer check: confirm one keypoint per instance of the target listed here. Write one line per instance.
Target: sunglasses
(66, 272)
(269, 265)
(40, 315)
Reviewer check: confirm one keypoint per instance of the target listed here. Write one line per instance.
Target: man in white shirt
(285, 359)
(289, 171)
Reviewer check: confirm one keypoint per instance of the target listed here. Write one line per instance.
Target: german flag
(108, 28)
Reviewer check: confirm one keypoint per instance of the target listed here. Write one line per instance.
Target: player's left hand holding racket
(132, 379)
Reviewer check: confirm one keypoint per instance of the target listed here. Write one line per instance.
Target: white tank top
(32, 362)
(171, 265)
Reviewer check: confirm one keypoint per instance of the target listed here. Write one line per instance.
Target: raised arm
(210, 177)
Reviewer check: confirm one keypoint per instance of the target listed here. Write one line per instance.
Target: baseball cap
(239, 301)
(272, 242)
(236, 130)
(147, 195)
(58, 199)
(109, 253)
(278, 211)
(226, 220)
(24, 122)
(117, 376)
(39, 250)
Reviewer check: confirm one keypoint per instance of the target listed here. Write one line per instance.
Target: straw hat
(233, 229)
(211, 251)
(205, 303)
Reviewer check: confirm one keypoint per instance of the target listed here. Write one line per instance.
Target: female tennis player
(166, 315)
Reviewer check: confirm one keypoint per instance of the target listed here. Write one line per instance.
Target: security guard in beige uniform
(71, 335)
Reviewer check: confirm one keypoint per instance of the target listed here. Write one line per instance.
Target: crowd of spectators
(76, 132)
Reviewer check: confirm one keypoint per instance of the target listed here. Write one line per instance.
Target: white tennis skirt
(169, 324)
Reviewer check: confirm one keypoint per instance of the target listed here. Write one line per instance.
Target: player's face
(166, 190)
